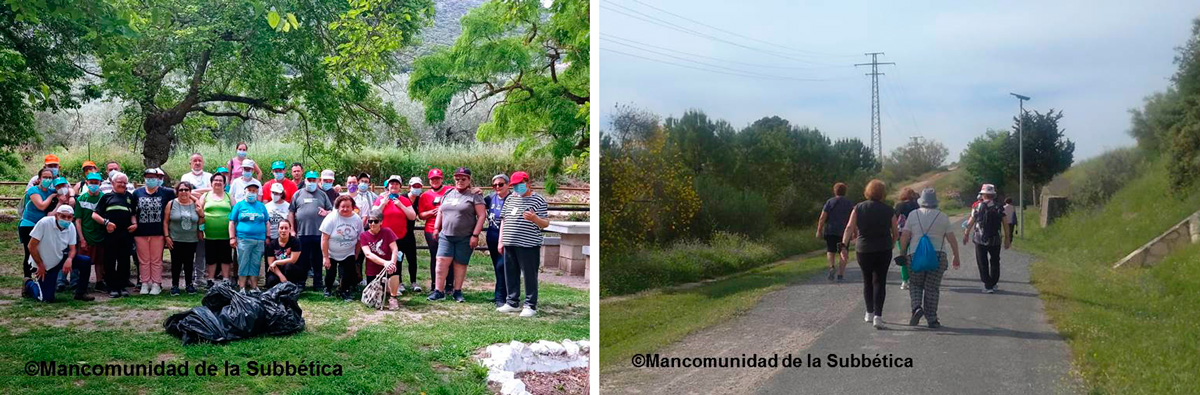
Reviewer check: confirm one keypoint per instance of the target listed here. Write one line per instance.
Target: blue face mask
(278, 176)
(63, 224)
(153, 183)
(326, 186)
(54, 171)
(251, 198)
(521, 188)
(310, 186)
(93, 188)
(47, 183)
(364, 187)
(241, 154)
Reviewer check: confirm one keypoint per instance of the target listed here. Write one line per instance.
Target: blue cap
(278, 165)
(222, 169)
(94, 176)
(61, 181)
(311, 174)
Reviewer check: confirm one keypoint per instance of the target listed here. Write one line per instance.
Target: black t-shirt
(839, 209)
(874, 226)
(282, 251)
(903, 208)
(118, 208)
(149, 210)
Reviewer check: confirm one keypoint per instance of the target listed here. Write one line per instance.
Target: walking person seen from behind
(990, 228)
(834, 217)
(873, 223)
(908, 203)
(927, 221)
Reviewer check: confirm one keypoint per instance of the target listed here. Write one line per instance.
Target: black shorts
(217, 252)
(831, 243)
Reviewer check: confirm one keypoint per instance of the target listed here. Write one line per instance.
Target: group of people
(877, 228)
(297, 224)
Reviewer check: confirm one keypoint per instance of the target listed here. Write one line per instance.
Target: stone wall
(1183, 233)
(1053, 207)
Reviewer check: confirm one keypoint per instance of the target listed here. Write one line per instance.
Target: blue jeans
(249, 256)
(81, 269)
(493, 243)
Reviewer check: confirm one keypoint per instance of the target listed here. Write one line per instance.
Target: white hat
(395, 178)
(327, 174)
(248, 163)
(988, 189)
(65, 210)
(253, 183)
(415, 180)
(277, 187)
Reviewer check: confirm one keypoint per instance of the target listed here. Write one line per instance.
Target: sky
(956, 63)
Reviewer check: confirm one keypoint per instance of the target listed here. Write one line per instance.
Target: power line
(876, 128)
(663, 23)
(740, 35)
(623, 41)
(735, 73)
(713, 65)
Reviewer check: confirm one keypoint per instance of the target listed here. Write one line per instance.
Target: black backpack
(991, 217)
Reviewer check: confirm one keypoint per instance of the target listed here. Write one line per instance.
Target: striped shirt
(518, 231)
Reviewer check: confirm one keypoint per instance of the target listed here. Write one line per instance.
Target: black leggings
(408, 246)
(874, 271)
(23, 235)
(183, 257)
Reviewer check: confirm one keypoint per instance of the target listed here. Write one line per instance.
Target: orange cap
(87, 163)
(51, 159)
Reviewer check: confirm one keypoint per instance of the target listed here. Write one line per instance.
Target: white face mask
(63, 190)
(277, 196)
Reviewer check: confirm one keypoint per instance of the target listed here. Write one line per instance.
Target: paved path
(997, 343)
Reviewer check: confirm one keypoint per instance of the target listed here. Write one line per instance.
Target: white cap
(253, 182)
(395, 178)
(327, 174)
(65, 210)
(277, 187)
(988, 189)
(154, 170)
(415, 180)
(248, 163)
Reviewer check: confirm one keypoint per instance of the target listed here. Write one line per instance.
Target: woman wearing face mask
(214, 208)
(396, 212)
(458, 224)
(326, 185)
(237, 187)
(248, 224)
(379, 249)
(278, 177)
(525, 215)
(38, 200)
(237, 166)
(181, 232)
(359, 188)
(149, 201)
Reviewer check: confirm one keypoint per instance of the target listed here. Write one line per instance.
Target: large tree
(191, 63)
(528, 63)
(919, 156)
(1047, 149)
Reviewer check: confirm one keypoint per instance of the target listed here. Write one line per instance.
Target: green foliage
(918, 157)
(1101, 177)
(527, 62)
(994, 157)
(1169, 122)
(991, 159)
(730, 208)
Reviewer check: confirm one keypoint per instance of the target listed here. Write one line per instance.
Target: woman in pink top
(235, 164)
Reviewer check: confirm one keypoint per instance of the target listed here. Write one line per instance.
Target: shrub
(1103, 176)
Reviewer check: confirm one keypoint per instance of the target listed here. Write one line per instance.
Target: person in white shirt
(52, 249)
(924, 286)
(237, 188)
(197, 176)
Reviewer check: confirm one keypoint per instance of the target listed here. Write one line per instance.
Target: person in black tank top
(873, 226)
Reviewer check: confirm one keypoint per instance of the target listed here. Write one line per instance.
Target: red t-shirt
(380, 244)
(430, 200)
(289, 189)
(393, 216)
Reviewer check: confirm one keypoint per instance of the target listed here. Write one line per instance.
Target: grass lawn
(424, 348)
(1132, 330)
(648, 321)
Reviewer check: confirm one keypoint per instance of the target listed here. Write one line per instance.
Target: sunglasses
(183, 190)
(373, 221)
(497, 185)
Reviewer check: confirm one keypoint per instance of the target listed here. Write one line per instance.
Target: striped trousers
(923, 288)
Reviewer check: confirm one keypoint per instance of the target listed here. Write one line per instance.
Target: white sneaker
(528, 312)
(878, 322)
(988, 291)
(904, 285)
(155, 289)
(145, 289)
(507, 309)
(867, 318)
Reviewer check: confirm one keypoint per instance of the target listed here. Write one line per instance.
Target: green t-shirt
(216, 217)
(85, 204)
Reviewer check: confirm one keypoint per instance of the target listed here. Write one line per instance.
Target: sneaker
(996, 288)
(830, 274)
(916, 317)
(528, 312)
(114, 294)
(155, 289)
(988, 291)
(145, 289)
(347, 298)
(935, 325)
(507, 308)
(393, 304)
(124, 293)
(85, 298)
(416, 288)
(840, 278)
(867, 318)
(328, 294)
(191, 289)
(174, 291)
(401, 290)
(904, 285)
(436, 295)
(878, 322)
(458, 296)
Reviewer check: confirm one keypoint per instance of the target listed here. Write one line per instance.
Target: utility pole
(876, 129)
(1021, 167)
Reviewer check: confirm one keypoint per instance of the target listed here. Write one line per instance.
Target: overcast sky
(956, 63)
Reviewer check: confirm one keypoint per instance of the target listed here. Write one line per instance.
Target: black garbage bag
(227, 315)
(283, 315)
(196, 325)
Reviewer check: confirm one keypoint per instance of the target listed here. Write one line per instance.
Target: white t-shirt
(931, 219)
(343, 234)
(198, 181)
(276, 213)
(237, 189)
(52, 241)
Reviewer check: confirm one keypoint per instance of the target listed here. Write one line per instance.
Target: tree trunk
(156, 147)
